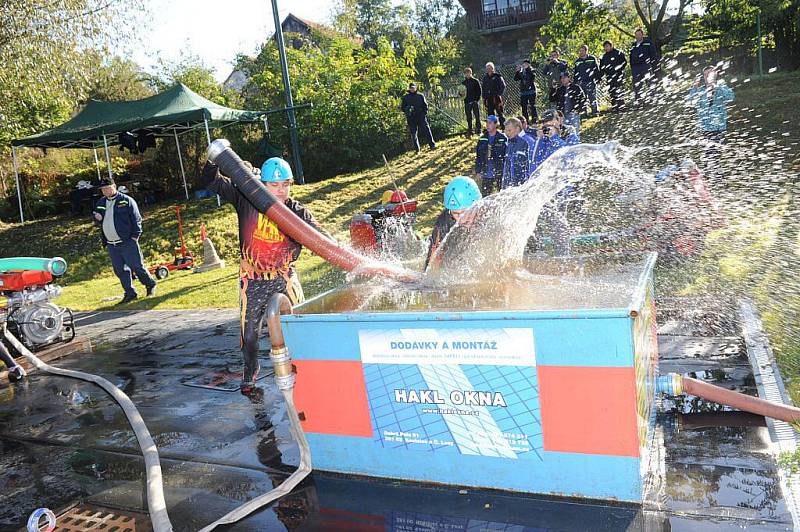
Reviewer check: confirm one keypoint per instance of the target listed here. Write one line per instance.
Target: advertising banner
(468, 391)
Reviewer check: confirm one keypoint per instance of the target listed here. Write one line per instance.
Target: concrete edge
(771, 387)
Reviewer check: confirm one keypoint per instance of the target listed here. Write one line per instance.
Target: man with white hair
(494, 86)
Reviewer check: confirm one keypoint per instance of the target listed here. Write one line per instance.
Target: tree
(44, 64)
(355, 92)
(652, 15)
(372, 20)
(117, 79)
(576, 22)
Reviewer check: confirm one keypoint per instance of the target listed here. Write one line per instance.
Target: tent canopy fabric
(176, 110)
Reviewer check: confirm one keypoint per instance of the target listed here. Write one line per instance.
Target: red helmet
(398, 196)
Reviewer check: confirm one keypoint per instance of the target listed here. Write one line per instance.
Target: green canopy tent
(171, 113)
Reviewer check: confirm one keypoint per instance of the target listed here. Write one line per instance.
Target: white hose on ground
(287, 485)
(155, 488)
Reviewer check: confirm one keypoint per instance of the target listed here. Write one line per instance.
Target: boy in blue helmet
(460, 195)
(267, 254)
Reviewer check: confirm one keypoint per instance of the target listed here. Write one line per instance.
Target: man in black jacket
(527, 90)
(570, 100)
(471, 99)
(612, 65)
(552, 71)
(494, 86)
(415, 107)
(587, 74)
(643, 58)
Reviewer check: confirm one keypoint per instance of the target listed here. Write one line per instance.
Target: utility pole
(287, 87)
(758, 31)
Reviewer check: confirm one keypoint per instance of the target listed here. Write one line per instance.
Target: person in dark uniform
(587, 74)
(552, 71)
(268, 256)
(460, 195)
(490, 155)
(612, 66)
(518, 151)
(415, 107)
(527, 90)
(118, 216)
(472, 97)
(570, 100)
(494, 86)
(643, 59)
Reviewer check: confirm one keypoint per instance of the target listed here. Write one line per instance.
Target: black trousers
(419, 124)
(254, 294)
(529, 102)
(494, 106)
(640, 81)
(472, 109)
(616, 91)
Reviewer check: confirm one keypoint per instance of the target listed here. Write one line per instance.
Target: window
(494, 7)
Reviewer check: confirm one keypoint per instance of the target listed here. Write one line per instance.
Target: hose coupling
(282, 365)
(670, 384)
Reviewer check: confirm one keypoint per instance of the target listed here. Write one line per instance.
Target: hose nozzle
(217, 147)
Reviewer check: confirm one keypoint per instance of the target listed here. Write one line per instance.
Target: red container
(17, 281)
(362, 233)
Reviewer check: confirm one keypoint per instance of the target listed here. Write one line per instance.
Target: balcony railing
(526, 12)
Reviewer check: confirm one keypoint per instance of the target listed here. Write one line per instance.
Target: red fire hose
(675, 384)
(740, 401)
(220, 153)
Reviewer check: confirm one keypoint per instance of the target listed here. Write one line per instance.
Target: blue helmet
(461, 193)
(276, 169)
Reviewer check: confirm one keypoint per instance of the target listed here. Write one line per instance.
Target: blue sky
(216, 31)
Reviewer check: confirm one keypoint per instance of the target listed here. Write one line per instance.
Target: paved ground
(64, 441)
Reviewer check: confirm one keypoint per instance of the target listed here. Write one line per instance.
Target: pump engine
(27, 309)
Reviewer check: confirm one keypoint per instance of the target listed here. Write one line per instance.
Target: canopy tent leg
(16, 175)
(208, 138)
(96, 163)
(108, 157)
(180, 161)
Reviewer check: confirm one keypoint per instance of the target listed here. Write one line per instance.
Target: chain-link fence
(450, 98)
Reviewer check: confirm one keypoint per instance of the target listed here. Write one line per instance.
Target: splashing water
(505, 221)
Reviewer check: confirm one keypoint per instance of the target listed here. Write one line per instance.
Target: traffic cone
(211, 260)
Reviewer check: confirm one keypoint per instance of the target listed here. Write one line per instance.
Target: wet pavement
(63, 441)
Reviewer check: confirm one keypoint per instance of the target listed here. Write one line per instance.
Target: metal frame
(16, 176)
(163, 131)
(180, 161)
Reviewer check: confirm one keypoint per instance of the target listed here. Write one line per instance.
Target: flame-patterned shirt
(264, 247)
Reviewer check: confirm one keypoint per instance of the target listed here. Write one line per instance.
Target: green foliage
(118, 79)
(373, 20)
(355, 94)
(44, 64)
(576, 22)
